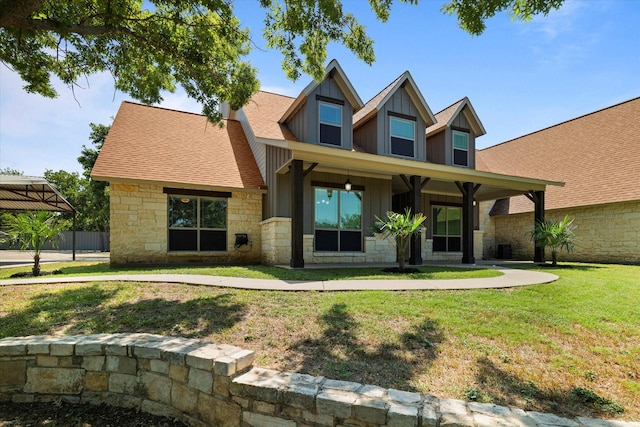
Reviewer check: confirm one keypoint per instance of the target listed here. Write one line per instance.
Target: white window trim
(402, 156)
(453, 148)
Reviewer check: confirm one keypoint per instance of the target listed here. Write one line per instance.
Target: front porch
(276, 248)
(396, 184)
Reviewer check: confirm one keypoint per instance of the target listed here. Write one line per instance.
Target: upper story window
(330, 123)
(460, 148)
(403, 136)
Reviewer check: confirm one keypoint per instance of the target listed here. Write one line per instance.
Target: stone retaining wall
(205, 384)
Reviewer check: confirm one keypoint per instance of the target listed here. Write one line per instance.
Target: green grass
(260, 271)
(528, 347)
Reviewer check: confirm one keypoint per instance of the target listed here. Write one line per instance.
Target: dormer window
(403, 136)
(460, 148)
(330, 123)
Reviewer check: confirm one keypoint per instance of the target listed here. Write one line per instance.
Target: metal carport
(32, 193)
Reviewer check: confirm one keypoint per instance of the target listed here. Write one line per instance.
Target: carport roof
(30, 193)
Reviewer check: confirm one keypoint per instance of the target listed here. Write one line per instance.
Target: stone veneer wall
(276, 248)
(604, 233)
(276, 241)
(429, 255)
(139, 227)
(487, 226)
(204, 384)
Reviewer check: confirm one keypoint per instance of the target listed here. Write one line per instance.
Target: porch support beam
(311, 168)
(538, 200)
(468, 191)
(415, 257)
(407, 182)
(297, 214)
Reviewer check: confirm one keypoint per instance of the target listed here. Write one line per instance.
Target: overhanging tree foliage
(152, 46)
(196, 44)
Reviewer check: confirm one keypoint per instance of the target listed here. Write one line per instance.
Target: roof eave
(385, 164)
(186, 185)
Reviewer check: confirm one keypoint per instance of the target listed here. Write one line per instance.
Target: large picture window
(330, 123)
(460, 148)
(447, 229)
(338, 220)
(403, 136)
(197, 223)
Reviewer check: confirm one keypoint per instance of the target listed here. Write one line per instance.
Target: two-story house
(299, 180)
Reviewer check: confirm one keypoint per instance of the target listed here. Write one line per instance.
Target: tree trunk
(554, 258)
(36, 265)
(400, 246)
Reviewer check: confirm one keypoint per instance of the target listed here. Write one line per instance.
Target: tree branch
(13, 13)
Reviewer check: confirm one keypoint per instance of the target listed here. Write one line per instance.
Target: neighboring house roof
(446, 117)
(263, 111)
(172, 147)
(335, 71)
(597, 156)
(377, 102)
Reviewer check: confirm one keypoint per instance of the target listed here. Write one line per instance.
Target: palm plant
(400, 228)
(554, 235)
(33, 230)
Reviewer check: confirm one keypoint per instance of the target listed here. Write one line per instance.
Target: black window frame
(450, 242)
(456, 152)
(401, 139)
(332, 129)
(346, 239)
(198, 238)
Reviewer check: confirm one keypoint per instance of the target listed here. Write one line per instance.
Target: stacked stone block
(139, 227)
(180, 378)
(204, 384)
(604, 233)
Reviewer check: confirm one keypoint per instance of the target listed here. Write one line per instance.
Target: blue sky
(520, 77)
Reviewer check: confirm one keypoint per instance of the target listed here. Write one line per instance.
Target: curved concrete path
(509, 278)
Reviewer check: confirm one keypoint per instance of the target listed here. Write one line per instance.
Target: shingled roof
(445, 117)
(263, 112)
(172, 147)
(374, 104)
(597, 156)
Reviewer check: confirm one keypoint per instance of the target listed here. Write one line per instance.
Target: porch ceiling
(442, 181)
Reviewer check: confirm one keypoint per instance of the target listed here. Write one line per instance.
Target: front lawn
(571, 347)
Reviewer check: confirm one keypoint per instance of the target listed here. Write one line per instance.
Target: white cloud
(558, 21)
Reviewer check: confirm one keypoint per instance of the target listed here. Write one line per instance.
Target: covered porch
(407, 184)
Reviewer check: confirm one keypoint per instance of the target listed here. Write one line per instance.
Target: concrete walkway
(509, 278)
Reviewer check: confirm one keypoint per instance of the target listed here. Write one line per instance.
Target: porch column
(538, 200)
(297, 214)
(468, 192)
(415, 201)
